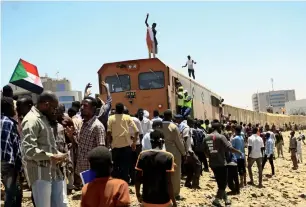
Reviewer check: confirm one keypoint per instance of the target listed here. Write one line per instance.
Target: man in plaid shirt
(10, 154)
(92, 133)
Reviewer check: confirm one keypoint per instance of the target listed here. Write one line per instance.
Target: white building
(276, 99)
(67, 97)
(297, 107)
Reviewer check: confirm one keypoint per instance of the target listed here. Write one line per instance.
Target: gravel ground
(286, 188)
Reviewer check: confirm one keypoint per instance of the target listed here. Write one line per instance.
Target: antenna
(272, 84)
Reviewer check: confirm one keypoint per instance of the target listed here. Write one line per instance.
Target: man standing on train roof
(180, 100)
(187, 104)
(190, 63)
(151, 38)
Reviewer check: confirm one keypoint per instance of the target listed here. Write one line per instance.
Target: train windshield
(118, 83)
(151, 80)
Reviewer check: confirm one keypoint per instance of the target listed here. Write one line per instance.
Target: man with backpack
(198, 136)
(192, 163)
(191, 167)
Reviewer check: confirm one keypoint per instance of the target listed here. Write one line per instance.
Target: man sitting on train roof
(187, 104)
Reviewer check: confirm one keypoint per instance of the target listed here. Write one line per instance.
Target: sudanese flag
(26, 76)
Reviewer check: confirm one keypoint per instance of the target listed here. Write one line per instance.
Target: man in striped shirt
(269, 152)
(41, 158)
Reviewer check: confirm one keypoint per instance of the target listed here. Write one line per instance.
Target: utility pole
(57, 74)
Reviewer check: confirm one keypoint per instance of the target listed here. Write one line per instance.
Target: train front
(137, 84)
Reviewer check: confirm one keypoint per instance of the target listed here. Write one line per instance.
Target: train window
(151, 80)
(215, 101)
(118, 83)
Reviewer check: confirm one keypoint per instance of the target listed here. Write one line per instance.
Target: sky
(238, 46)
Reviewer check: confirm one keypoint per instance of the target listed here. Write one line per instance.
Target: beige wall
(247, 116)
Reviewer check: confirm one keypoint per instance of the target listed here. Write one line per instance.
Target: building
(297, 107)
(67, 97)
(61, 87)
(275, 99)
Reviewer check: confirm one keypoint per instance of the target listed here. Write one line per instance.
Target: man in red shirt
(104, 191)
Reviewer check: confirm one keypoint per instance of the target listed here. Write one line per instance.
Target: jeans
(187, 111)
(50, 194)
(191, 72)
(13, 191)
(270, 161)
(122, 162)
(233, 179)
(220, 174)
(259, 166)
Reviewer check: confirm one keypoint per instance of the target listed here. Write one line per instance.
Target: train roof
(194, 82)
(157, 59)
(129, 61)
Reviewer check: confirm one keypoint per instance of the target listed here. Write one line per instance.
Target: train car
(248, 116)
(150, 84)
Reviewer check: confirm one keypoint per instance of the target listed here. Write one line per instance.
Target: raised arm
(108, 104)
(146, 22)
(106, 86)
(86, 91)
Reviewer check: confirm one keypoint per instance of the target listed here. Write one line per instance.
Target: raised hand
(89, 85)
(69, 131)
(104, 84)
(88, 92)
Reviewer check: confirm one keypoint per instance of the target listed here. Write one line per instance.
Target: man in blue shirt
(269, 152)
(238, 143)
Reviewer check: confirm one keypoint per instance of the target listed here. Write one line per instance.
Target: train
(151, 84)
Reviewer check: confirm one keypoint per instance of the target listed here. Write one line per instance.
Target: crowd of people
(50, 148)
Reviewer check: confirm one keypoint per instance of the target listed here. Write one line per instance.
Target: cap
(178, 116)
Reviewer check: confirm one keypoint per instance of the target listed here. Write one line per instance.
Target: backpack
(198, 140)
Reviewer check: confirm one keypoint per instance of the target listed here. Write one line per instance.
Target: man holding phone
(41, 159)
